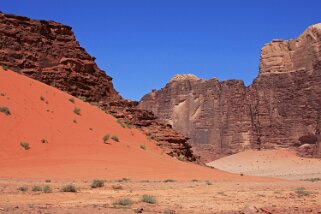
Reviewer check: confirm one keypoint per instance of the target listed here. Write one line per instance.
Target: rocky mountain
(281, 109)
(49, 52)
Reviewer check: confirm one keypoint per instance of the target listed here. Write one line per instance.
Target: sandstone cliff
(282, 108)
(49, 52)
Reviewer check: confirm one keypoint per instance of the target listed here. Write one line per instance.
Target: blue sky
(143, 43)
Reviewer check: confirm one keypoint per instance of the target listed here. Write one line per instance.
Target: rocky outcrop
(282, 106)
(49, 52)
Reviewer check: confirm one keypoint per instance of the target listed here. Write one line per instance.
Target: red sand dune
(75, 149)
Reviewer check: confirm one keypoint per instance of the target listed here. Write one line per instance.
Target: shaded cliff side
(49, 52)
(282, 108)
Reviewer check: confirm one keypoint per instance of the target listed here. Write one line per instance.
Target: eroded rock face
(281, 106)
(49, 52)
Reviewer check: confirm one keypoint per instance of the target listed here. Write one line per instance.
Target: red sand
(76, 150)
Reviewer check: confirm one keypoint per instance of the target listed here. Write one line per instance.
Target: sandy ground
(73, 146)
(273, 163)
(171, 197)
(68, 148)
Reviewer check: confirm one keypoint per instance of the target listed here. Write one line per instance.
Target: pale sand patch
(273, 163)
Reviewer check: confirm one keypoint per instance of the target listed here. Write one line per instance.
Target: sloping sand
(74, 147)
(273, 163)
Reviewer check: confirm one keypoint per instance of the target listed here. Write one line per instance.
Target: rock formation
(49, 52)
(282, 108)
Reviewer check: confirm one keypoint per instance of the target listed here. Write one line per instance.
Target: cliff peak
(181, 77)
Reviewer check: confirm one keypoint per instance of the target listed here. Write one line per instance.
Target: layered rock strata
(281, 108)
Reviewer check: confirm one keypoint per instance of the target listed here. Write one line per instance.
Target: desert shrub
(169, 180)
(74, 121)
(48, 181)
(106, 138)
(22, 189)
(5, 110)
(25, 145)
(36, 188)
(72, 100)
(181, 157)
(77, 111)
(47, 189)
(115, 138)
(312, 179)
(69, 188)
(82, 98)
(167, 211)
(208, 183)
(5, 67)
(43, 141)
(121, 124)
(97, 183)
(142, 146)
(301, 191)
(149, 199)
(241, 174)
(123, 202)
(123, 180)
(42, 98)
(117, 187)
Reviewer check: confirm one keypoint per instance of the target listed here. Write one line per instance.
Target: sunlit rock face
(281, 106)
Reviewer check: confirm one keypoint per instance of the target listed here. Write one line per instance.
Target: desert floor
(171, 197)
(280, 163)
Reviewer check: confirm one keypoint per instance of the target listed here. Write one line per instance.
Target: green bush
(69, 188)
(5, 67)
(36, 188)
(77, 111)
(301, 191)
(115, 138)
(25, 145)
(149, 199)
(72, 100)
(82, 98)
(106, 138)
(47, 189)
(5, 110)
(124, 202)
(97, 183)
(22, 189)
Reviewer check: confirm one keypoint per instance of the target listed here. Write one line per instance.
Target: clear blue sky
(143, 43)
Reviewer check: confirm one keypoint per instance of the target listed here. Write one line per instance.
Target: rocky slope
(49, 52)
(282, 108)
